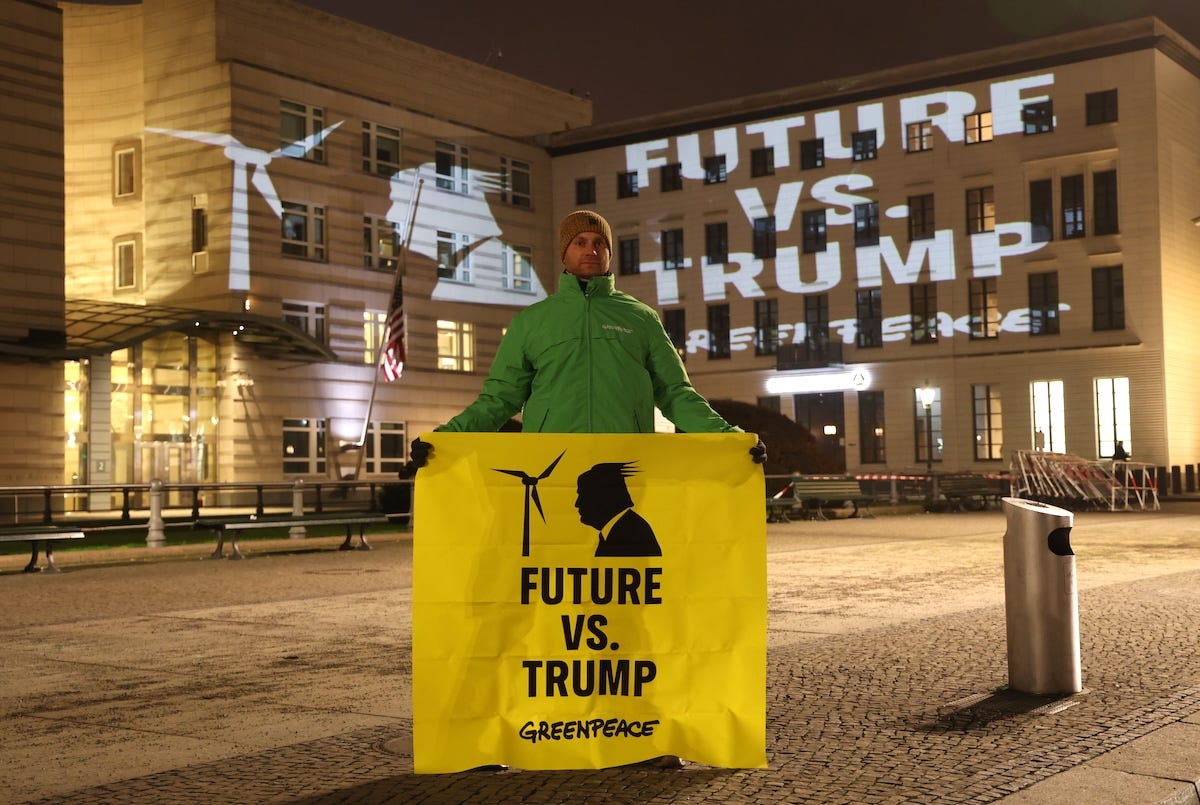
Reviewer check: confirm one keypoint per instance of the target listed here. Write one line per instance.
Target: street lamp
(928, 393)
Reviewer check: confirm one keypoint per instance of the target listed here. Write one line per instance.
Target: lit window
(454, 256)
(303, 231)
(981, 210)
(918, 136)
(1049, 415)
(296, 122)
(989, 433)
(1113, 420)
(978, 127)
(374, 327)
(380, 149)
(456, 346)
(380, 249)
(304, 446)
(518, 268)
(928, 427)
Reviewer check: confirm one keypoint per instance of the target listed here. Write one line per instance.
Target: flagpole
(414, 199)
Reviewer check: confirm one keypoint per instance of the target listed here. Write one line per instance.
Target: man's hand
(758, 453)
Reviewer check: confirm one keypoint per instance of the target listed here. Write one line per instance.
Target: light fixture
(829, 430)
(815, 382)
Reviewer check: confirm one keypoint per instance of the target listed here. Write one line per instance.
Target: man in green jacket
(589, 359)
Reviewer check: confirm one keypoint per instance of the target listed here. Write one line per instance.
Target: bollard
(1041, 599)
(155, 538)
(297, 531)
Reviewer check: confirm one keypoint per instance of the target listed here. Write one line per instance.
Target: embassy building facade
(1010, 232)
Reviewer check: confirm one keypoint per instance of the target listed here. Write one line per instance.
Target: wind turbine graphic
(531, 492)
(255, 160)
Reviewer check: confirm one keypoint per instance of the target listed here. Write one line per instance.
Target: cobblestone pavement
(886, 656)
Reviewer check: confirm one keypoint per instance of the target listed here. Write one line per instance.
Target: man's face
(587, 256)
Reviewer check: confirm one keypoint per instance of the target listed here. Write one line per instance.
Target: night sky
(637, 57)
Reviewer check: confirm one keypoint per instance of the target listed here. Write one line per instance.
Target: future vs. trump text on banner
(584, 601)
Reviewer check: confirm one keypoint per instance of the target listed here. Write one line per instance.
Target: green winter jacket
(588, 363)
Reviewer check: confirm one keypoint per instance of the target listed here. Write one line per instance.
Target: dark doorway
(825, 417)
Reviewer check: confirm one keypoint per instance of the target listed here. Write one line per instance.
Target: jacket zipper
(587, 353)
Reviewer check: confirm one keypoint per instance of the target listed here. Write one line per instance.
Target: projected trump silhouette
(604, 504)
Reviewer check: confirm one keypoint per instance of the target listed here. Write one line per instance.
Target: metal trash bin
(1041, 599)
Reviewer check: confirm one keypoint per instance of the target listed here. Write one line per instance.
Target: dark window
(1101, 107)
(813, 226)
(812, 154)
(816, 321)
(920, 217)
(1108, 298)
(585, 190)
(766, 326)
(716, 242)
(762, 161)
(1043, 303)
(714, 169)
(870, 427)
(1038, 117)
(672, 248)
(984, 308)
(923, 297)
(1104, 203)
(718, 331)
(868, 306)
(866, 224)
(764, 237)
(927, 427)
(862, 145)
(769, 404)
(199, 229)
(675, 323)
(629, 257)
(1072, 207)
(989, 433)
(1041, 210)
(981, 210)
(671, 177)
(627, 184)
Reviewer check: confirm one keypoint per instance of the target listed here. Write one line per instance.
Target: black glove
(758, 453)
(418, 456)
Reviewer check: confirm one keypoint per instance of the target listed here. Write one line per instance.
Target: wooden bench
(960, 490)
(47, 534)
(232, 526)
(825, 492)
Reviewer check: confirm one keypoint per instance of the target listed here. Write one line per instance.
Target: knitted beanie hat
(578, 222)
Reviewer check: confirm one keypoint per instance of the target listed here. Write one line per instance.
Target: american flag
(394, 352)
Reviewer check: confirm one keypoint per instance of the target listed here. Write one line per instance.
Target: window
(716, 242)
(454, 256)
(380, 149)
(516, 183)
(1043, 303)
(672, 249)
(923, 298)
(718, 331)
(989, 434)
(769, 404)
(1113, 421)
(766, 326)
(455, 346)
(671, 177)
(385, 447)
(304, 446)
(303, 231)
(762, 161)
(764, 237)
(978, 127)
(627, 184)
(1108, 298)
(1041, 210)
(862, 145)
(380, 249)
(984, 308)
(126, 178)
(374, 329)
(812, 154)
(307, 317)
(1072, 207)
(866, 224)
(585, 191)
(928, 428)
(1049, 415)
(452, 164)
(675, 323)
(868, 307)
(199, 229)
(816, 322)
(518, 268)
(125, 267)
(629, 259)
(920, 217)
(870, 427)
(981, 210)
(1101, 107)
(812, 223)
(296, 122)
(918, 136)
(714, 169)
(1038, 117)
(1104, 202)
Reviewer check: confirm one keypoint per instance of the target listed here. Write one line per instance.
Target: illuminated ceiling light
(815, 382)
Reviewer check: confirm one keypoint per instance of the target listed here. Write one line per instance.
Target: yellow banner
(585, 601)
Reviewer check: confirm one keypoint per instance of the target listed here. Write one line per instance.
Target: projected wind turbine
(254, 160)
(531, 492)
